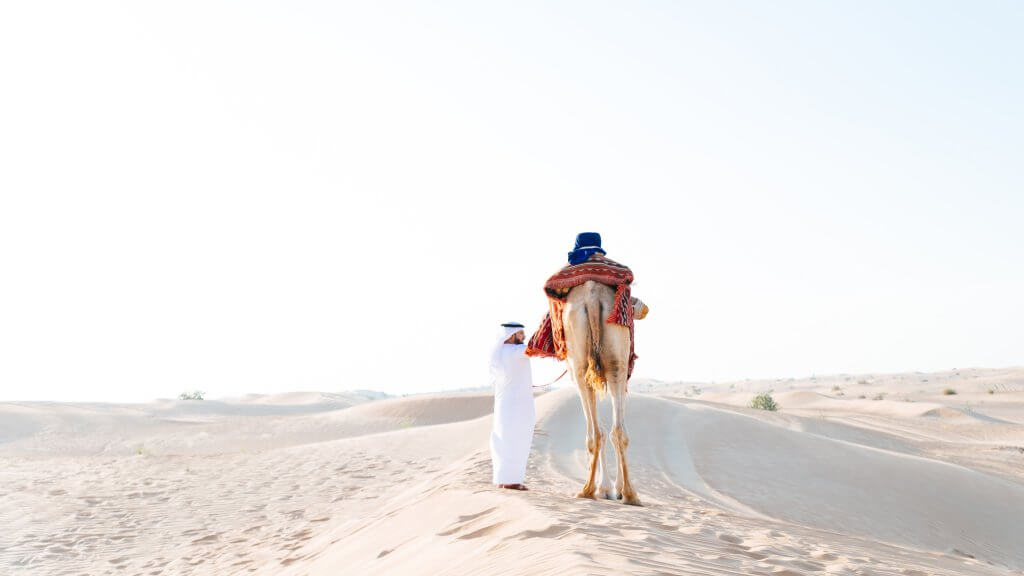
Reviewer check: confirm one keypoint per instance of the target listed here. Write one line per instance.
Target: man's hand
(640, 309)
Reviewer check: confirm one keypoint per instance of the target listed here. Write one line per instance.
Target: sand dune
(424, 410)
(324, 484)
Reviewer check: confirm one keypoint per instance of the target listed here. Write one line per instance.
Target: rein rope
(566, 371)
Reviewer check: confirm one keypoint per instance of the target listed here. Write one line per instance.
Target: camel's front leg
(621, 442)
(594, 439)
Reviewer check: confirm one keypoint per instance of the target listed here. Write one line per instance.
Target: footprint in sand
(730, 538)
(553, 531)
(481, 531)
(208, 539)
(464, 521)
(694, 530)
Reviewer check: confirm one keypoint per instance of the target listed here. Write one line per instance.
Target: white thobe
(514, 414)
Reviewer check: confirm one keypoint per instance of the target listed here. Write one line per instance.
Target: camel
(598, 357)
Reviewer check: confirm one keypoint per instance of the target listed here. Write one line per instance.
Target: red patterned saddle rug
(549, 339)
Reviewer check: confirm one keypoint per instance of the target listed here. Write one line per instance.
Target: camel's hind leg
(582, 321)
(594, 436)
(604, 490)
(620, 439)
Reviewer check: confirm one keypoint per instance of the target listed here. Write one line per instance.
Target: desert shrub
(949, 391)
(194, 395)
(764, 402)
(879, 396)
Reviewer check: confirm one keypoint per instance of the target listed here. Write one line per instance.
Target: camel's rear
(591, 342)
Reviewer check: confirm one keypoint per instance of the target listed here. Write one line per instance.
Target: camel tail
(595, 371)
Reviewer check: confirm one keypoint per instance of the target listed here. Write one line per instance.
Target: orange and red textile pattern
(549, 339)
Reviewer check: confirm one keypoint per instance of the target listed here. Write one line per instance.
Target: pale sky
(273, 196)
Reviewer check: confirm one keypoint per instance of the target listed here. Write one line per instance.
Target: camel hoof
(633, 500)
(584, 494)
(605, 494)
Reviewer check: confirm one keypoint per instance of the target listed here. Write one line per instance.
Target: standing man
(514, 413)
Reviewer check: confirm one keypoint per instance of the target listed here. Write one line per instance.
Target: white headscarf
(504, 334)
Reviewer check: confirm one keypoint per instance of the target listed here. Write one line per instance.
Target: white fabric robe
(514, 413)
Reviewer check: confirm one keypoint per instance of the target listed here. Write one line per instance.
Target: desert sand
(854, 474)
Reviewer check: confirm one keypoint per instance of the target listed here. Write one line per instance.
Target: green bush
(764, 402)
(194, 395)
